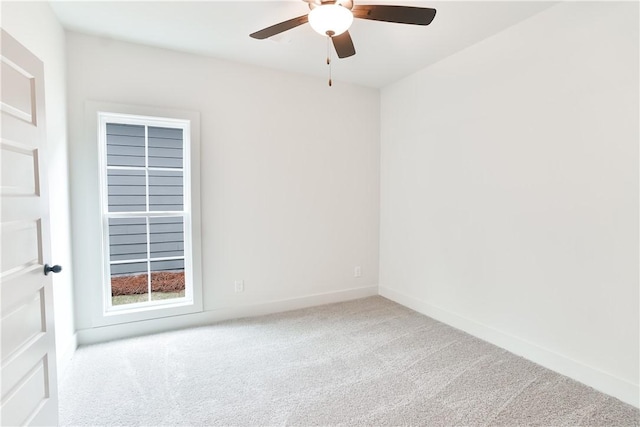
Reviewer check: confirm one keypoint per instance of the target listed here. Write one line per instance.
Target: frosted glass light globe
(330, 17)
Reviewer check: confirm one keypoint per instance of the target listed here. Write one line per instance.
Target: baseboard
(132, 329)
(64, 356)
(588, 375)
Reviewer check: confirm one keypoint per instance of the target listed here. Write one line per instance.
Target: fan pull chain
(329, 57)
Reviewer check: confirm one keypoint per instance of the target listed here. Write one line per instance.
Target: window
(146, 212)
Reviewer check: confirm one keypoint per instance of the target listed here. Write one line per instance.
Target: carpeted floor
(368, 362)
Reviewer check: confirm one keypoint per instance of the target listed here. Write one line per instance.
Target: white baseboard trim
(64, 356)
(145, 327)
(593, 377)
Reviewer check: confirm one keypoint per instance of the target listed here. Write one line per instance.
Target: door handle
(48, 269)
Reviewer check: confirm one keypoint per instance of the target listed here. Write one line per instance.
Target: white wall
(289, 185)
(509, 192)
(35, 26)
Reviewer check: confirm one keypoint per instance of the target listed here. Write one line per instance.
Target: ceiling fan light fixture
(330, 19)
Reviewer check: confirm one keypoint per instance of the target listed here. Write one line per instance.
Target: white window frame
(192, 301)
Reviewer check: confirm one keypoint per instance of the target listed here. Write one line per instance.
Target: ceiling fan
(333, 18)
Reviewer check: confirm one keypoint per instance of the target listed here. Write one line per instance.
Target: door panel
(20, 246)
(18, 97)
(29, 388)
(22, 325)
(19, 169)
(28, 397)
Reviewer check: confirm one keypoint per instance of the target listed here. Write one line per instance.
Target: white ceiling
(385, 52)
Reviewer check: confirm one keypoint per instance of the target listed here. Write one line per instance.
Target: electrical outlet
(239, 286)
(357, 272)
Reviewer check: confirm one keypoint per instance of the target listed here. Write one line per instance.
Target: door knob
(48, 269)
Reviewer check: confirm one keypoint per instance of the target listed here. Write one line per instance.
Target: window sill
(146, 312)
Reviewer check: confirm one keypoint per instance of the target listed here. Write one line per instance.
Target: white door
(29, 388)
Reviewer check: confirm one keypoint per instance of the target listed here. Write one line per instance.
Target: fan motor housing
(344, 3)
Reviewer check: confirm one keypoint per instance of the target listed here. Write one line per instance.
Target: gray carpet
(367, 362)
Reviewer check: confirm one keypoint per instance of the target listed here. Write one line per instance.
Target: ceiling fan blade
(400, 14)
(343, 45)
(279, 28)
